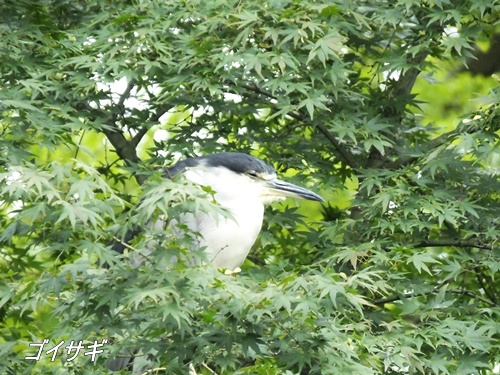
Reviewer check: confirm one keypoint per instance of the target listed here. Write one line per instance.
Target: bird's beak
(286, 189)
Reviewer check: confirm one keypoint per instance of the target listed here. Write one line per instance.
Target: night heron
(243, 185)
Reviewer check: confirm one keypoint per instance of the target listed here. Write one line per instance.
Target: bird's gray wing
(120, 245)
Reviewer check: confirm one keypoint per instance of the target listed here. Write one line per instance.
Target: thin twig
(345, 155)
(209, 369)
(125, 96)
(136, 139)
(258, 90)
(192, 370)
(457, 243)
(454, 291)
(473, 295)
(124, 243)
(477, 271)
(436, 142)
(150, 371)
(299, 117)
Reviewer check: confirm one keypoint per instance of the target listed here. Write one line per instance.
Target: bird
(243, 185)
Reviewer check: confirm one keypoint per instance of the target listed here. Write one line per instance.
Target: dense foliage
(368, 103)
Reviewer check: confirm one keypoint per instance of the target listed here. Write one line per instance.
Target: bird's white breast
(227, 240)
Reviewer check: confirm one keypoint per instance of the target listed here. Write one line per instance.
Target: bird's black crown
(234, 161)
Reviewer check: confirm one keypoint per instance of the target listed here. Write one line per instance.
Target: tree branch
(469, 293)
(136, 139)
(125, 96)
(348, 159)
(406, 81)
(436, 142)
(479, 277)
(345, 155)
(160, 111)
(258, 90)
(123, 148)
(117, 138)
(456, 243)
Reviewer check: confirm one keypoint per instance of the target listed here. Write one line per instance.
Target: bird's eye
(252, 174)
